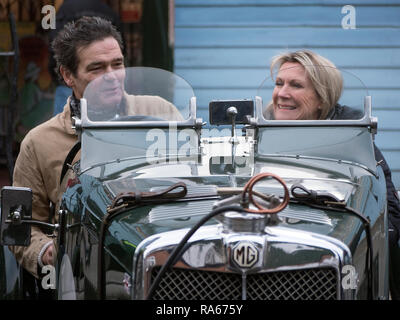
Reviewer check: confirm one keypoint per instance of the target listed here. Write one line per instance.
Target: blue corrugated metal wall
(223, 48)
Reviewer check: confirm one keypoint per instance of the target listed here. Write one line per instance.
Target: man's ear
(67, 76)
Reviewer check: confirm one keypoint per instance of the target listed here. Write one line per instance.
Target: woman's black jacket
(347, 113)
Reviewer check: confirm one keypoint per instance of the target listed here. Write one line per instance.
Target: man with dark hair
(72, 10)
(82, 34)
(84, 50)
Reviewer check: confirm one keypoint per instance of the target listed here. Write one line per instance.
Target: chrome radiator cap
(244, 222)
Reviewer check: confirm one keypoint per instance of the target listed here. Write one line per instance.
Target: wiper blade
(129, 199)
(304, 195)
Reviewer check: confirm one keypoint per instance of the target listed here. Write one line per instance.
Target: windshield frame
(84, 122)
(366, 121)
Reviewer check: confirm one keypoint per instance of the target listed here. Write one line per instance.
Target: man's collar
(75, 106)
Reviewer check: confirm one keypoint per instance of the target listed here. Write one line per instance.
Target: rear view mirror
(16, 211)
(220, 112)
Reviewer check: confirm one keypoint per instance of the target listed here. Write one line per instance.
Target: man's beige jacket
(38, 167)
(39, 164)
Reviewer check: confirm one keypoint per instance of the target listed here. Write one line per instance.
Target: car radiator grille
(306, 284)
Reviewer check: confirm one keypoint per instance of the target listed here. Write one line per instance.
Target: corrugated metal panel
(246, 3)
(259, 57)
(279, 16)
(223, 48)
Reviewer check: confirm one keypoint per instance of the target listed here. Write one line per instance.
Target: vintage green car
(164, 207)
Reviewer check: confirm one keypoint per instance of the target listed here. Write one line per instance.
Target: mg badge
(245, 254)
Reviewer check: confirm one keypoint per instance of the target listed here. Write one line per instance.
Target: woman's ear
(67, 76)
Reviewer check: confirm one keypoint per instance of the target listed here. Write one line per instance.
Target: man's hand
(47, 257)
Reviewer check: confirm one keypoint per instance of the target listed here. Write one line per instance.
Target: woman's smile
(294, 97)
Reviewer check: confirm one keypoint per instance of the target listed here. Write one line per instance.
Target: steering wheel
(137, 118)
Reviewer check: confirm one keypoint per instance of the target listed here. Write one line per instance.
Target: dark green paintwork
(129, 228)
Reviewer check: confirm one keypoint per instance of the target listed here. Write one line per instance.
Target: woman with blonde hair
(308, 87)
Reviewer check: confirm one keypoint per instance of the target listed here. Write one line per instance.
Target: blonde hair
(325, 77)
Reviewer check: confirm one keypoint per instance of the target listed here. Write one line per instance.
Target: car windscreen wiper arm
(304, 195)
(129, 199)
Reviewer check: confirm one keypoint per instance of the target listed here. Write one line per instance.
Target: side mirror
(16, 213)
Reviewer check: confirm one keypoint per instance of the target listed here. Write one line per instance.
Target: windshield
(294, 94)
(138, 94)
(311, 92)
(137, 114)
